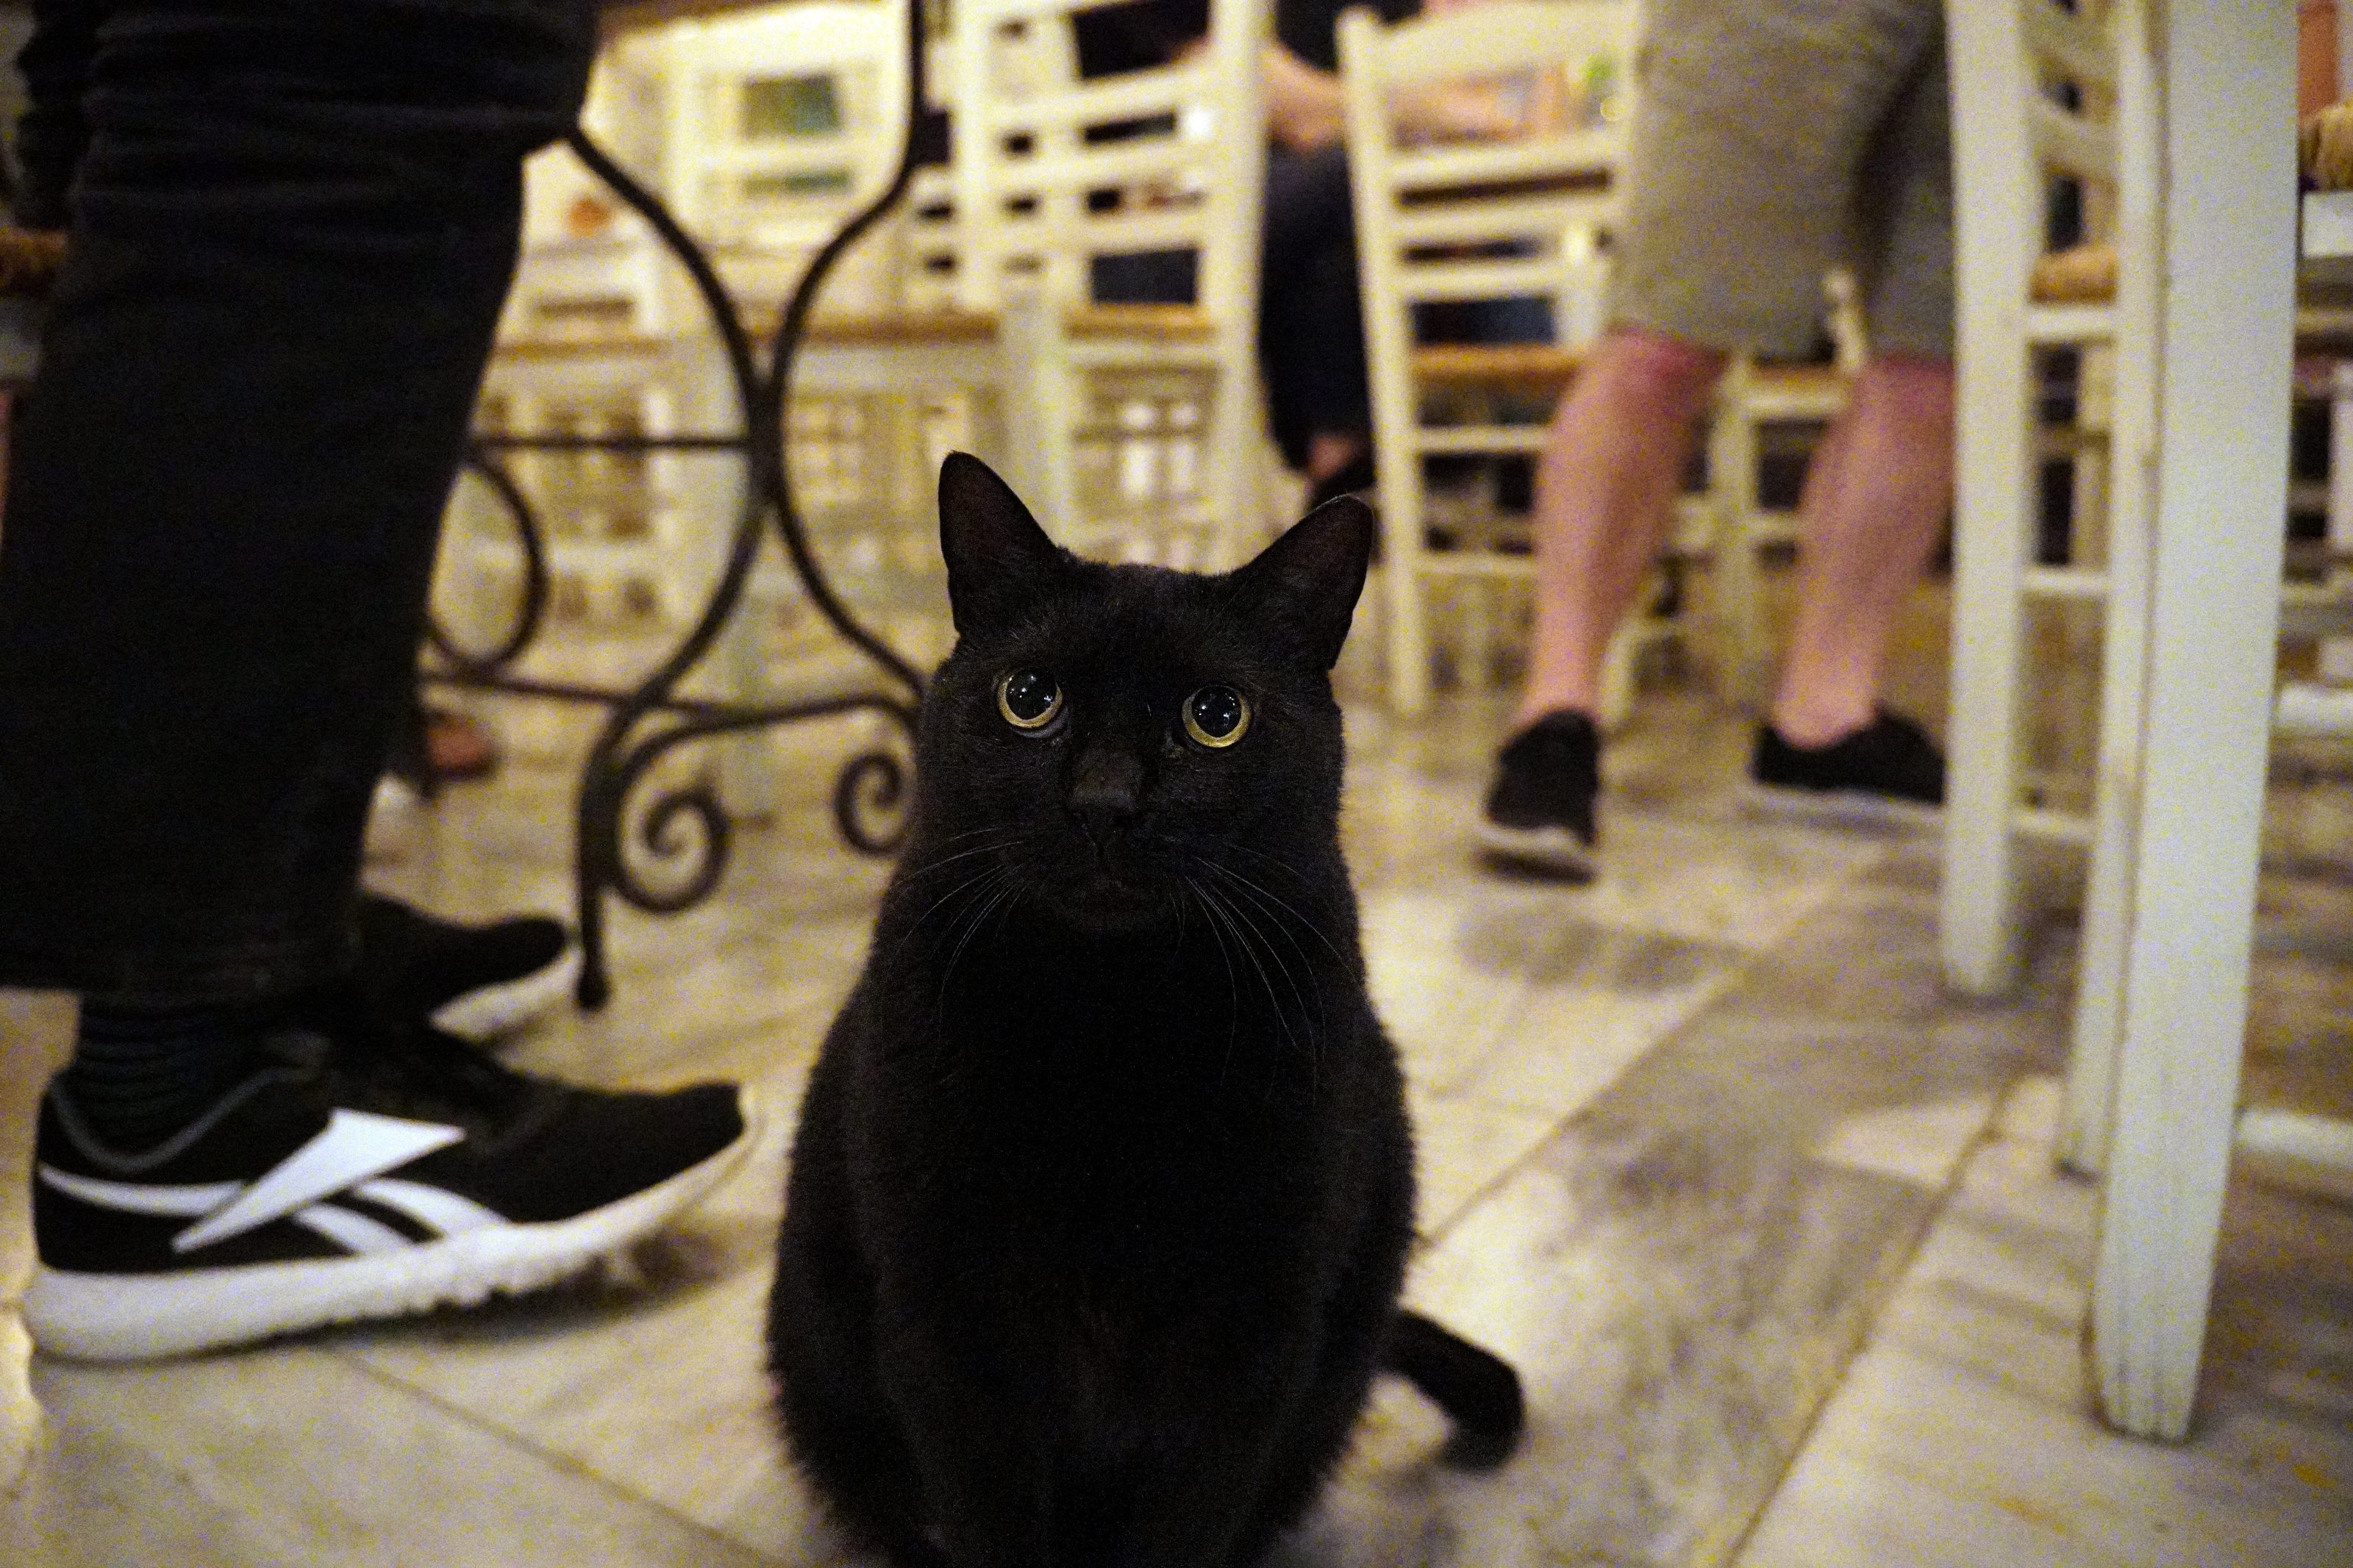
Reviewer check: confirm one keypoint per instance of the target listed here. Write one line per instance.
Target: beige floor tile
(651, 1378)
(1570, 1037)
(99, 1497)
(1440, 999)
(315, 1461)
(1923, 1144)
(1947, 1468)
(1464, 1146)
(1966, 1433)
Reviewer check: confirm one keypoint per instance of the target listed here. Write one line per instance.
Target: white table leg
(2227, 69)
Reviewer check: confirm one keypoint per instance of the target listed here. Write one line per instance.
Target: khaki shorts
(1772, 140)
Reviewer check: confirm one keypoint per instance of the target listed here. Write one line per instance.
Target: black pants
(292, 224)
(1311, 331)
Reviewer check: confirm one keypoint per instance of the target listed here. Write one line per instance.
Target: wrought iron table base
(651, 721)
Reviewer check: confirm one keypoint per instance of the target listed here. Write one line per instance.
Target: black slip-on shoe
(1540, 810)
(1888, 770)
(479, 981)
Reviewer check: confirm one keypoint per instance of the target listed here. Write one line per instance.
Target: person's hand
(1303, 110)
(1460, 113)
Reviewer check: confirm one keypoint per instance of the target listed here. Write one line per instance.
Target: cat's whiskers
(1309, 997)
(1244, 931)
(975, 880)
(975, 832)
(1282, 914)
(1221, 920)
(1008, 838)
(1276, 861)
(1006, 891)
(1234, 980)
(1277, 907)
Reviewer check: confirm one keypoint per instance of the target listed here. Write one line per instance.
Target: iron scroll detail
(686, 827)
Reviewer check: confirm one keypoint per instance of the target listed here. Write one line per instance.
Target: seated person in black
(1311, 330)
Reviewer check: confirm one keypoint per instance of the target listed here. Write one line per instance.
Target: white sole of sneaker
(141, 1316)
(1555, 850)
(1842, 807)
(493, 1012)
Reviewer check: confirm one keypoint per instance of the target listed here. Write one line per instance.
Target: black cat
(1103, 1186)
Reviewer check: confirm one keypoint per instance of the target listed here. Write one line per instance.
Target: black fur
(1103, 1186)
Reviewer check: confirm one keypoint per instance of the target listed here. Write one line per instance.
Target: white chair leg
(37, 1033)
(1038, 411)
(1993, 447)
(1980, 918)
(1744, 661)
(2096, 1030)
(2340, 454)
(2087, 1117)
(1614, 700)
(1237, 462)
(2335, 654)
(1407, 608)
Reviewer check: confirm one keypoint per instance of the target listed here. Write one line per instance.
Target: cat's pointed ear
(1303, 588)
(999, 560)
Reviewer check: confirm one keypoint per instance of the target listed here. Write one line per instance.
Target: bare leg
(1328, 452)
(1604, 495)
(1875, 505)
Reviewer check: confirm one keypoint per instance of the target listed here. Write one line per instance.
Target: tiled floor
(1962, 1435)
(1682, 1136)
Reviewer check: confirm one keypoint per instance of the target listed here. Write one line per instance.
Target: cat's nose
(1106, 794)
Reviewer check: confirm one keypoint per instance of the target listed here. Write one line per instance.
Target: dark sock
(139, 1074)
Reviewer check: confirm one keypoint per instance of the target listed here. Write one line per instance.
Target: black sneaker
(1540, 811)
(366, 1169)
(1888, 770)
(480, 982)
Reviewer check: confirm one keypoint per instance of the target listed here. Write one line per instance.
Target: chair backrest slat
(1505, 35)
(2078, 46)
(1471, 220)
(1533, 217)
(1053, 172)
(784, 119)
(1133, 96)
(1564, 153)
(2073, 144)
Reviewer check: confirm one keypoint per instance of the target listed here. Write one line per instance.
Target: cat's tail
(1477, 1389)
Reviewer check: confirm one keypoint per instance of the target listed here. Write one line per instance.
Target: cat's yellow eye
(1217, 716)
(1030, 699)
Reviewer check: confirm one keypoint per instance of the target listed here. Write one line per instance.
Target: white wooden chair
(781, 122)
(1471, 222)
(2220, 83)
(1135, 430)
(1512, 220)
(2014, 133)
(762, 132)
(2097, 299)
(2201, 314)
(1150, 418)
